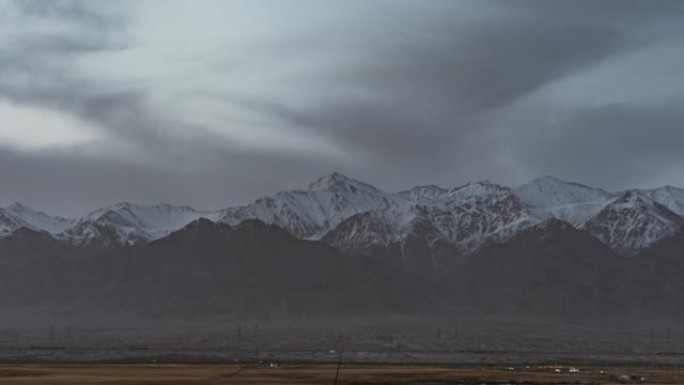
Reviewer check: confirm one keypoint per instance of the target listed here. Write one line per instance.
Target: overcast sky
(214, 103)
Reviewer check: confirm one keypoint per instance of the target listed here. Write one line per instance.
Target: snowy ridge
(353, 215)
(670, 197)
(627, 221)
(570, 202)
(9, 223)
(311, 212)
(128, 223)
(350, 214)
(38, 220)
(481, 213)
(493, 214)
(16, 216)
(633, 222)
(548, 191)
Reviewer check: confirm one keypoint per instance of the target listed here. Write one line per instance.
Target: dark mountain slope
(652, 283)
(255, 268)
(35, 268)
(553, 269)
(210, 268)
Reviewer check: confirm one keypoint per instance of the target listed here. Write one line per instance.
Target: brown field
(167, 374)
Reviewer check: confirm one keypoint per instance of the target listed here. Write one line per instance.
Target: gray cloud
(400, 92)
(612, 145)
(68, 185)
(77, 11)
(420, 100)
(39, 65)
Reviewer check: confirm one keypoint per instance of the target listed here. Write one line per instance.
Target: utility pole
(337, 372)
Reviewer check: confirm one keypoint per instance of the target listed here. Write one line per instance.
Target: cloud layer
(217, 102)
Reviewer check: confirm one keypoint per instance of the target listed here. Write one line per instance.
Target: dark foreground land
(181, 374)
(54, 348)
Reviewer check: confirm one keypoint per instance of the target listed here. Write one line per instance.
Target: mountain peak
(336, 180)
(670, 187)
(329, 180)
(546, 181)
(670, 196)
(548, 178)
(16, 206)
(548, 191)
(129, 205)
(138, 209)
(38, 220)
(19, 208)
(114, 206)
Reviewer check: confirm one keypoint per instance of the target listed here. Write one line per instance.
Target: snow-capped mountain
(477, 214)
(462, 219)
(127, 223)
(670, 197)
(571, 202)
(121, 224)
(485, 212)
(8, 223)
(627, 221)
(455, 222)
(465, 216)
(16, 216)
(38, 220)
(632, 222)
(315, 210)
(423, 221)
(548, 191)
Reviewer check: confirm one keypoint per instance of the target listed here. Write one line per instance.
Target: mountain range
(545, 246)
(351, 215)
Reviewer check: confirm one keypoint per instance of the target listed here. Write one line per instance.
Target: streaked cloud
(213, 102)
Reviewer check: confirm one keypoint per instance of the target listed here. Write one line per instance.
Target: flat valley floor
(177, 374)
